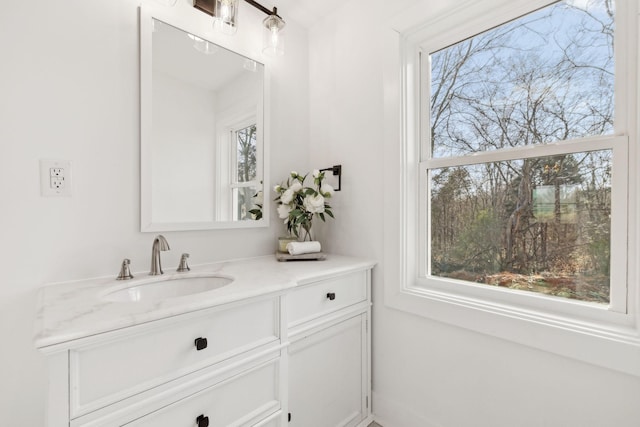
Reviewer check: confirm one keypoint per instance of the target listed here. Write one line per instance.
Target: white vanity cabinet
(285, 344)
(329, 352)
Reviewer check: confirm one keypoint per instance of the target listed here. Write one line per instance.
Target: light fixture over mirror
(273, 40)
(225, 20)
(225, 16)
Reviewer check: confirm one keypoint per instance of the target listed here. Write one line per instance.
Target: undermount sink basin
(172, 287)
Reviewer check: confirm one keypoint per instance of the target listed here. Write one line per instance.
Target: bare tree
(542, 78)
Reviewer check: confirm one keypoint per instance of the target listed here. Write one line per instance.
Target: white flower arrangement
(298, 204)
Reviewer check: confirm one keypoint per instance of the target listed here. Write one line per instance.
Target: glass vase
(305, 234)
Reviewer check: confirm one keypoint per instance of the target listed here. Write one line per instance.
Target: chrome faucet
(159, 244)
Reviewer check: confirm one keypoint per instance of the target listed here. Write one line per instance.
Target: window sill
(614, 344)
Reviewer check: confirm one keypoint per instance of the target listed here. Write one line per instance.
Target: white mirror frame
(193, 24)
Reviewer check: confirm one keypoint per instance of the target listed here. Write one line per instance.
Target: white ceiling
(174, 55)
(304, 12)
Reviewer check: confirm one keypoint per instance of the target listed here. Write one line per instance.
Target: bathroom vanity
(274, 344)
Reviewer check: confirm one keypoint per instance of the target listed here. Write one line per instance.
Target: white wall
(183, 151)
(428, 373)
(69, 90)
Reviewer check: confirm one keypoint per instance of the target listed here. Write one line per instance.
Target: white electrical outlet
(55, 177)
(57, 182)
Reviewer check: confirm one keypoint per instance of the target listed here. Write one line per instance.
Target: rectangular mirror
(202, 132)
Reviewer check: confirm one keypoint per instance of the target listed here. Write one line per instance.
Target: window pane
(544, 77)
(244, 200)
(246, 153)
(539, 225)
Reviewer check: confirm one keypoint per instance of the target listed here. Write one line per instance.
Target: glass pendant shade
(273, 37)
(203, 45)
(250, 65)
(225, 16)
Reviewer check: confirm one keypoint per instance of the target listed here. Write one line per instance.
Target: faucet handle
(183, 266)
(125, 273)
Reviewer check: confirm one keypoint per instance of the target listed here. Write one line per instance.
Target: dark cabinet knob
(201, 344)
(331, 296)
(202, 421)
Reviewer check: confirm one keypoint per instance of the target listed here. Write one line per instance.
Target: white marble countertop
(73, 310)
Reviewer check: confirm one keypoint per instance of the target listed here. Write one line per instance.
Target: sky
(531, 63)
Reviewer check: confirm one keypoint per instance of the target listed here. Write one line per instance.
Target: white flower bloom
(287, 196)
(327, 190)
(277, 188)
(296, 186)
(294, 174)
(283, 211)
(314, 204)
(316, 173)
(259, 198)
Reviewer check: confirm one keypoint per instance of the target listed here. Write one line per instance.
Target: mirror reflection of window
(246, 153)
(239, 181)
(245, 187)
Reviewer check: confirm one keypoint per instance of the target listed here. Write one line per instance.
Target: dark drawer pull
(331, 296)
(202, 421)
(201, 344)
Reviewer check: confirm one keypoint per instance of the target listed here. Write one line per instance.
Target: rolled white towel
(299, 248)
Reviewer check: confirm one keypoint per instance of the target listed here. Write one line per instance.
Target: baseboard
(391, 413)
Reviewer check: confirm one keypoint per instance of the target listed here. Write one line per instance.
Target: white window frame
(618, 278)
(603, 335)
(226, 165)
(233, 167)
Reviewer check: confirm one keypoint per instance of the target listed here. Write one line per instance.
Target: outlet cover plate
(55, 178)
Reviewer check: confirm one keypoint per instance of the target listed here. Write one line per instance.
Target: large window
(511, 204)
(520, 157)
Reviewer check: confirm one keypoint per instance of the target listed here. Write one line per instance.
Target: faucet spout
(159, 244)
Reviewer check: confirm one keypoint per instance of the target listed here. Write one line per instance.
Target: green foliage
(478, 245)
(256, 212)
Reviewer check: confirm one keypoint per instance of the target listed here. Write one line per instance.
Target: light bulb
(274, 36)
(273, 41)
(225, 12)
(225, 19)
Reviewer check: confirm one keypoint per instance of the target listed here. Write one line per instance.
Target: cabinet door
(328, 376)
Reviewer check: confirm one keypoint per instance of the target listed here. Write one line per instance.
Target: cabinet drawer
(116, 369)
(270, 422)
(320, 298)
(238, 401)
